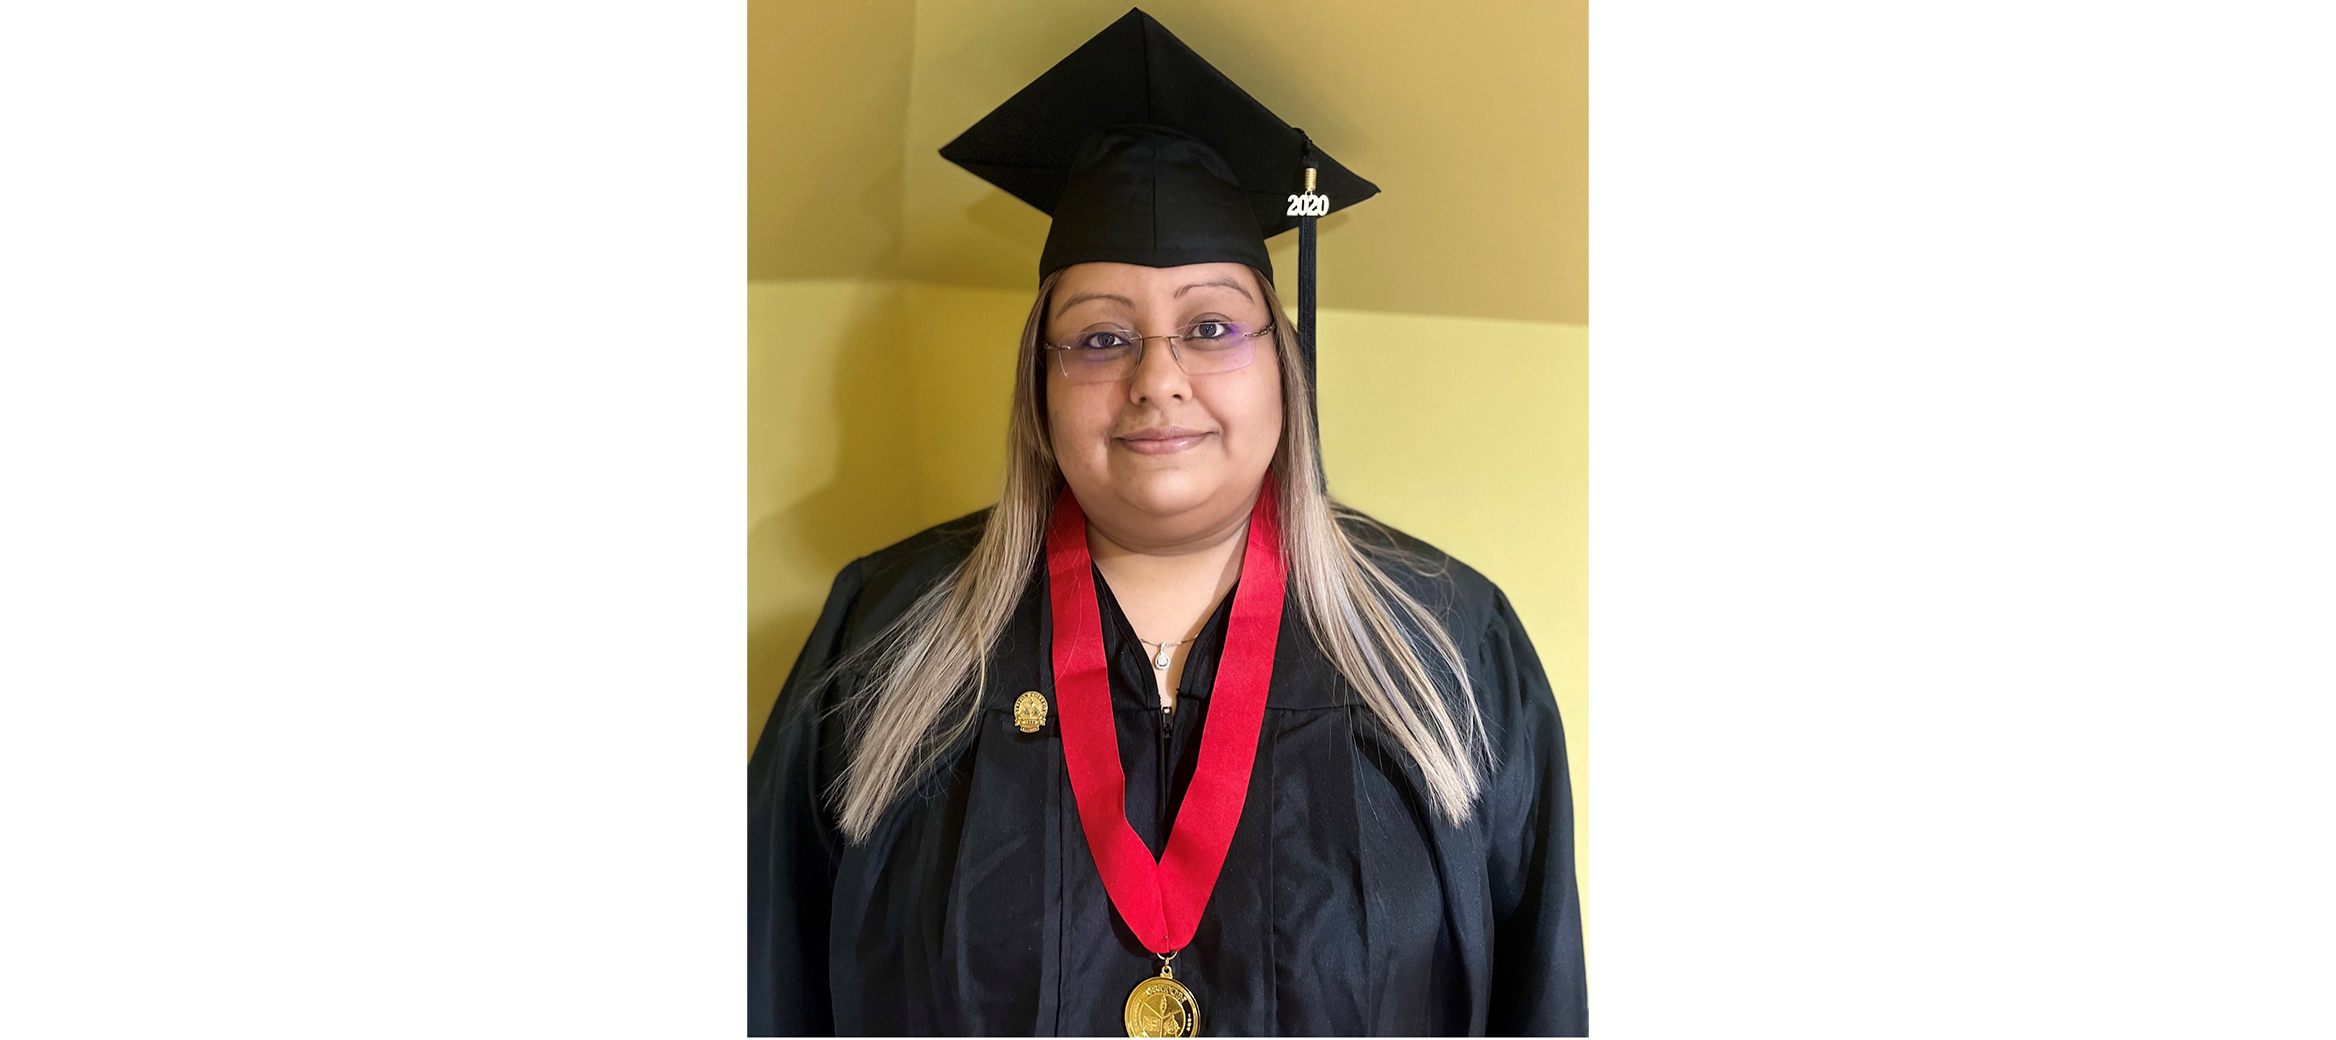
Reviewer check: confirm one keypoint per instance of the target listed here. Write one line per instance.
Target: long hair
(926, 673)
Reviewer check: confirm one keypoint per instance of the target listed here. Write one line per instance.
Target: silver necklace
(1161, 661)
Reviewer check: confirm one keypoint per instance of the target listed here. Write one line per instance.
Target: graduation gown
(1345, 906)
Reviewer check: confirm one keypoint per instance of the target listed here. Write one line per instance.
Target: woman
(1165, 741)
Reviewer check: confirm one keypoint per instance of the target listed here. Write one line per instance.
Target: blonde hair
(928, 670)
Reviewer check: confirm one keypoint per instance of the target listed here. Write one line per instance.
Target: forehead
(1141, 284)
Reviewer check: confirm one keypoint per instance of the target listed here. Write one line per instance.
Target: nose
(1157, 376)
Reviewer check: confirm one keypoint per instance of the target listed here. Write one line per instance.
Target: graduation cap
(1145, 154)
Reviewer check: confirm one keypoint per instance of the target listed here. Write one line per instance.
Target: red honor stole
(1162, 901)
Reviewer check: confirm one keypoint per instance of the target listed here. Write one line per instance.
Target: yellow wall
(826, 105)
(887, 287)
(1472, 118)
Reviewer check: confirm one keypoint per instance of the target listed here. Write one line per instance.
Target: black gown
(1345, 906)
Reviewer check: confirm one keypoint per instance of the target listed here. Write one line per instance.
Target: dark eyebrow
(1226, 282)
(1086, 296)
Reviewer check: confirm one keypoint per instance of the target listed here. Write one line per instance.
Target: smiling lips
(1162, 440)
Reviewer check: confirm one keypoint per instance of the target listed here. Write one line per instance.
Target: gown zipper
(1167, 731)
(1167, 771)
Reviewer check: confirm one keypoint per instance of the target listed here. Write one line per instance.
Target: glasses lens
(1098, 355)
(1217, 346)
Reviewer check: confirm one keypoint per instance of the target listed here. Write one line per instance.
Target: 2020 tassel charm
(1307, 210)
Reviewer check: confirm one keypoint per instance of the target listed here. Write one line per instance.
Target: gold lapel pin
(1030, 711)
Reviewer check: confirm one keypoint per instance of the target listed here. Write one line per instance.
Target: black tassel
(1306, 314)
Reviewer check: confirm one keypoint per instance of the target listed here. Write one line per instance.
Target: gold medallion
(1029, 711)
(1161, 1006)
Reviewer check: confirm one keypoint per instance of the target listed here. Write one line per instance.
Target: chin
(1166, 494)
(1166, 491)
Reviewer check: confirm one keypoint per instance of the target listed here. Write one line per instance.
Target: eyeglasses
(1201, 348)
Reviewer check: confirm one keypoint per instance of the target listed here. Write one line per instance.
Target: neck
(1106, 543)
(1167, 580)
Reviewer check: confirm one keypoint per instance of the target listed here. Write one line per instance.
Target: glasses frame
(1174, 353)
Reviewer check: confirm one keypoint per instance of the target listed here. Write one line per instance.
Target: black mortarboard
(1145, 154)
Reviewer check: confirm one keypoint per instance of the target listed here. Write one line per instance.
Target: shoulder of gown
(885, 582)
(1470, 604)
(866, 595)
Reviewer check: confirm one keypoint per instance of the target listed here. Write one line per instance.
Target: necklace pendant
(1161, 662)
(1161, 1006)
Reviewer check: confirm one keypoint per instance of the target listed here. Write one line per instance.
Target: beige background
(887, 286)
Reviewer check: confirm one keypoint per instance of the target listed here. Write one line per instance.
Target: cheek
(1251, 411)
(1078, 418)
